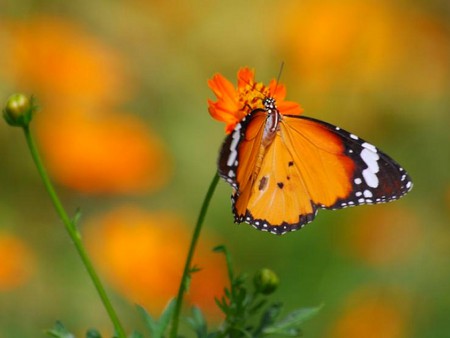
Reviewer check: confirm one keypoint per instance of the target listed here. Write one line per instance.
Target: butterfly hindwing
(278, 201)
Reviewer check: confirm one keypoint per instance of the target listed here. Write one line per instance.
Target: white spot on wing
(233, 145)
(369, 146)
(369, 174)
(371, 159)
(370, 178)
(354, 136)
(368, 193)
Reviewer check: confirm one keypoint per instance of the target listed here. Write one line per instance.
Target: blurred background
(126, 136)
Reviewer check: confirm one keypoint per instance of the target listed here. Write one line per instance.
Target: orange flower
(142, 254)
(371, 313)
(16, 265)
(233, 104)
(56, 58)
(109, 153)
(87, 147)
(366, 44)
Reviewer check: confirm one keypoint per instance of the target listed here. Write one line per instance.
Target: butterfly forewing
(376, 177)
(239, 152)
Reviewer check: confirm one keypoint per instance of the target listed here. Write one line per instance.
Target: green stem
(74, 234)
(187, 266)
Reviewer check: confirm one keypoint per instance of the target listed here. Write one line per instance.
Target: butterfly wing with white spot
(375, 178)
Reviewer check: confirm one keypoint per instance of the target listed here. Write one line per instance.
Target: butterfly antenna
(279, 76)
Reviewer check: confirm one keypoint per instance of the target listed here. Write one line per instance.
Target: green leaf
(198, 323)
(93, 333)
(219, 248)
(77, 216)
(135, 334)
(268, 318)
(149, 321)
(187, 283)
(222, 305)
(223, 249)
(258, 306)
(167, 314)
(194, 269)
(158, 327)
(290, 325)
(59, 331)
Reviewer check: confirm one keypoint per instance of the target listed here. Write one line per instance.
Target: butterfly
(283, 168)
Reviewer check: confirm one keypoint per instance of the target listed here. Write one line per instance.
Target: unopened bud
(19, 110)
(266, 281)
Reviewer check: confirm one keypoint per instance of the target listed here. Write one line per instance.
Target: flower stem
(187, 266)
(73, 233)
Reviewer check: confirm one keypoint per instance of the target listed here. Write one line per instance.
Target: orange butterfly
(284, 167)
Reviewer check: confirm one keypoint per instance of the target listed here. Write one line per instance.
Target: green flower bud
(266, 281)
(19, 110)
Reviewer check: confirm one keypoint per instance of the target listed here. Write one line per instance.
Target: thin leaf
(222, 305)
(198, 323)
(77, 216)
(158, 327)
(224, 250)
(148, 319)
(93, 333)
(258, 306)
(195, 269)
(289, 325)
(135, 334)
(59, 331)
(219, 248)
(166, 316)
(268, 318)
(187, 282)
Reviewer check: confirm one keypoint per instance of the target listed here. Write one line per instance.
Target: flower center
(251, 96)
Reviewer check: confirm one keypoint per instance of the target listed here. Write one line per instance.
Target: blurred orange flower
(142, 254)
(234, 103)
(55, 58)
(113, 153)
(386, 236)
(379, 43)
(372, 313)
(87, 147)
(16, 261)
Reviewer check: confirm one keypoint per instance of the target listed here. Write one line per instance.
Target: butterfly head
(269, 103)
(235, 103)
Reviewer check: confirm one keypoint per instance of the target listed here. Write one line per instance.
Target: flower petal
(222, 88)
(246, 76)
(226, 109)
(289, 108)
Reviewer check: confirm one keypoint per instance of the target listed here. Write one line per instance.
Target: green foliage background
(399, 102)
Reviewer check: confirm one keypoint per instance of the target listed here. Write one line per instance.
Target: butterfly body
(283, 168)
